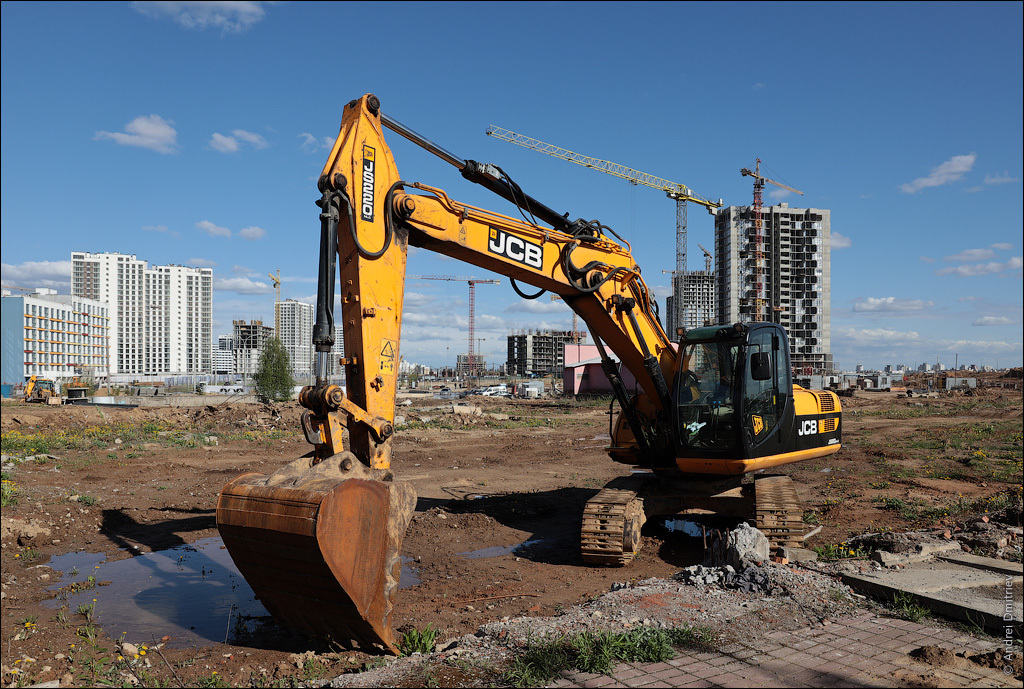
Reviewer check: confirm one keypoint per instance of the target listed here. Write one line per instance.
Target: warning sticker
(388, 354)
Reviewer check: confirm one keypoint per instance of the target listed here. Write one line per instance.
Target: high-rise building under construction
(779, 272)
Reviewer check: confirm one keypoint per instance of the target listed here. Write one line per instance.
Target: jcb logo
(758, 424)
(369, 179)
(809, 427)
(516, 249)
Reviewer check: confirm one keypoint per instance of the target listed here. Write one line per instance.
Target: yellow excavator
(40, 390)
(320, 539)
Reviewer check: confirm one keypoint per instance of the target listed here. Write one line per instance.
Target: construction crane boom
(674, 190)
(756, 174)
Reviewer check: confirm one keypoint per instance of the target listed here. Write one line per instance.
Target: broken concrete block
(794, 554)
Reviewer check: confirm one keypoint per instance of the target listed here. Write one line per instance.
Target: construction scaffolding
(538, 352)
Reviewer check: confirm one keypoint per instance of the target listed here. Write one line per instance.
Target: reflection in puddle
(410, 575)
(686, 526)
(192, 593)
(498, 550)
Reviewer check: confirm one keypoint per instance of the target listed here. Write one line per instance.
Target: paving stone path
(859, 651)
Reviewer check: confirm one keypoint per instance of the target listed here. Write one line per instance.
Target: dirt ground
(495, 532)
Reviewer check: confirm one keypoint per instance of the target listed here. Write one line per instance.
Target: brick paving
(863, 650)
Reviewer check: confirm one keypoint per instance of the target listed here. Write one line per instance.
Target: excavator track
(779, 511)
(612, 519)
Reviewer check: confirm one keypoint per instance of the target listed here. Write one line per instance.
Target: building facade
(223, 361)
(538, 352)
(296, 335)
(780, 274)
(54, 336)
(161, 318)
(247, 343)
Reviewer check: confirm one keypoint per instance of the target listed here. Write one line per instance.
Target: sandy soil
(495, 532)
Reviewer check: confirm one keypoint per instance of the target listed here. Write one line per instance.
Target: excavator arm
(320, 539)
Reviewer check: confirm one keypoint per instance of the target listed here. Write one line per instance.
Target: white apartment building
(223, 360)
(56, 336)
(781, 273)
(160, 317)
(296, 335)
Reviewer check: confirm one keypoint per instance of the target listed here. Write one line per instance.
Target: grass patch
(415, 641)
(905, 608)
(599, 652)
(8, 492)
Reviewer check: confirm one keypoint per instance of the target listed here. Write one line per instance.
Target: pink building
(583, 374)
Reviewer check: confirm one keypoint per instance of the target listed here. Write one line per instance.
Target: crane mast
(760, 295)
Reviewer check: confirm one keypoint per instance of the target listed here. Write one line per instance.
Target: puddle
(410, 575)
(498, 550)
(186, 593)
(192, 593)
(686, 526)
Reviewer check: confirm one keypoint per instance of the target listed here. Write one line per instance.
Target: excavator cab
(735, 402)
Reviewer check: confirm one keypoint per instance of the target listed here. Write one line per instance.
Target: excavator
(40, 390)
(319, 540)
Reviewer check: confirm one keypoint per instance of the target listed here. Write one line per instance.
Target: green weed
(415, 641)
(904, 606)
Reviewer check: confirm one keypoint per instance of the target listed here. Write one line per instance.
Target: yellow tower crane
(674, 190)
(277, 303)
(677, 191)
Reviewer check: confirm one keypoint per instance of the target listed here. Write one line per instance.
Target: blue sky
(193, 133)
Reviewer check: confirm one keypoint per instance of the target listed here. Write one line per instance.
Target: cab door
(766, 391)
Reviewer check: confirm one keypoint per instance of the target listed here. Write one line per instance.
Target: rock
(887, 559)
(742, 547)
(129, 650)
(935, 547)
(26, 533)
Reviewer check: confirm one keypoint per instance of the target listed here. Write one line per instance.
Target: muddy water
(193, 594)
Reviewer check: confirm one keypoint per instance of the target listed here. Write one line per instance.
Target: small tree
(274, 372)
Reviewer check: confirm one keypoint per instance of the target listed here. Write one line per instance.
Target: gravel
(781, 597)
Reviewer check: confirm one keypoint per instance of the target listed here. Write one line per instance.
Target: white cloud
(990, 268)
(242, 270)
(229, 144)
(891, 306)
(840, 241)
(252, 233)
(213, 230)
(972, 255)
(224, 144)
(927, 259)
(1002, 246)
(311, 144)
(993, 320)
(241, 286)
(228, 16)
(1006, 178)
(152, 132)
(255, 140)
(542, 305)
(758, 86)
(948, 172)
(202, 262)
(877, 336)
(33, 274)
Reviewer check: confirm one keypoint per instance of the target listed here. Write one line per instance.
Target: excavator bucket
(319, 543)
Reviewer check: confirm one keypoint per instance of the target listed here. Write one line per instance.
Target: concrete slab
(980, 591)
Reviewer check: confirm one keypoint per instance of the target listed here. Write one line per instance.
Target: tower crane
(759, 181)
(576, 334)
(707, 258)
(674, 190)
(473, 282)
(277, 303)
